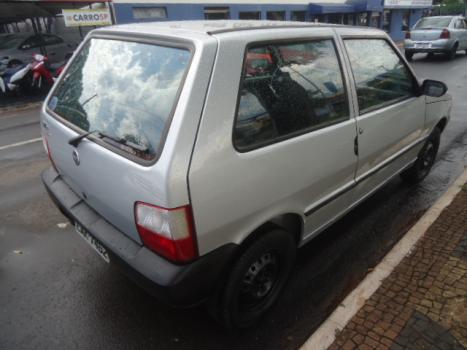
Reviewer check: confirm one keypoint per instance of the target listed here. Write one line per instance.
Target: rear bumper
(177, 285)
(439, 45)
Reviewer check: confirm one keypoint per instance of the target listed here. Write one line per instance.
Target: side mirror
(434, 88)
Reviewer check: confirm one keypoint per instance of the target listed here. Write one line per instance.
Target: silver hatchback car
(199, 156)
(438, 34)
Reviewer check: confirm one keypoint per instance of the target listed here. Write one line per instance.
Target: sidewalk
(422, 304)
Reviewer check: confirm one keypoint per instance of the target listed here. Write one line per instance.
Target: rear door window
(288, 89)
(380, 75)
(124, 91)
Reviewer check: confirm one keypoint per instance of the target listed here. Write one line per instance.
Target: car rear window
(433, 22)
(123, 91)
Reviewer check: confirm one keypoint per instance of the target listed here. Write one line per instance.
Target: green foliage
(452, 7)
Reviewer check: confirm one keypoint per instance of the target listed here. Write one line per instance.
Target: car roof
(215, 27)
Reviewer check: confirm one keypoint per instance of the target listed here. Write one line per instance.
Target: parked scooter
(41, 75)
(32, 78)
(16, 78)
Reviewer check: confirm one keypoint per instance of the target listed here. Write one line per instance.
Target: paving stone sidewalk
(423, 302)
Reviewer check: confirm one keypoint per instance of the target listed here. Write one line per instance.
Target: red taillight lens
(168, 232)
(445, 34)
(407, 35)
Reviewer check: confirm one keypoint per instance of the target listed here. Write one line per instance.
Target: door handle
(360, 131)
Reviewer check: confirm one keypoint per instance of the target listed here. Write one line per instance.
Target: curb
(325, 335)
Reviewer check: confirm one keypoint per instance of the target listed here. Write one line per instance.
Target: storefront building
(353, 12)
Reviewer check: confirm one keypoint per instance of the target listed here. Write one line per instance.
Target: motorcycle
(31, 78)
(41, 73)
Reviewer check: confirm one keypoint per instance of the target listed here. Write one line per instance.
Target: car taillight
(168, 232)
(445, 34)
(407, 35)
(49, 154)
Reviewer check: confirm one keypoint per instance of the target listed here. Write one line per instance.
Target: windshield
(10, 41)
(433, 22)
(124, 90)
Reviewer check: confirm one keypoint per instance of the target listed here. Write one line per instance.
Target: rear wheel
(256, 280)
(452, 53)
(425, 160)
(408, 55)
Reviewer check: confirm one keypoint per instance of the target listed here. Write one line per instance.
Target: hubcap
(259, 280)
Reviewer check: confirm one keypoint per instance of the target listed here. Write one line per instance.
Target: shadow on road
(19, 100)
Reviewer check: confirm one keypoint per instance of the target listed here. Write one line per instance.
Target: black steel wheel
(425, 160)
(256, 279)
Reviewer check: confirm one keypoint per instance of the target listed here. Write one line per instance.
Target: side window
(460, 24)
(31, 42)
(380, 76)
(52, 40)
(288, 89)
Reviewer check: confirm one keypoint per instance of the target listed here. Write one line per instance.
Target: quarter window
(288, 89)
(380, 75)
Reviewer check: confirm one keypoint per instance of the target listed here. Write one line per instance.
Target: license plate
(423, 46)
(94, 243)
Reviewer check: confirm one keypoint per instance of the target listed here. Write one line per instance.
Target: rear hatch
(429, 28)
(125, 94)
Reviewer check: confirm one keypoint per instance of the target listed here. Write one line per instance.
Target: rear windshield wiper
(76, 140)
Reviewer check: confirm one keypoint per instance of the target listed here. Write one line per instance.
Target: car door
(390, 111)
(291, 146)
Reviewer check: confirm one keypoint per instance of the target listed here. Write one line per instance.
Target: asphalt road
(56, 292)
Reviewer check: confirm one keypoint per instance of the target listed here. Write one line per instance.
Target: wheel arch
(293, 223)
(441, 125)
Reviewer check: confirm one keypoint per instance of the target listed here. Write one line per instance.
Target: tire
(452, 53)
(425, 160)
(409, 55)
(256, 280)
